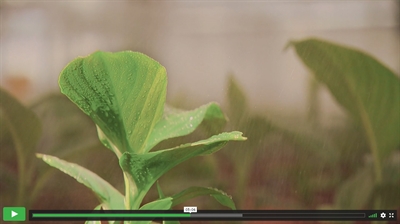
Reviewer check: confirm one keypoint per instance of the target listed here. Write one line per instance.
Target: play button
(14, 214)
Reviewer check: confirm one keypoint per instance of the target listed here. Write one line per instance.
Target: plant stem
(128, 205)
(375, 153)
(39, 185)
(133, 197)
(243, 171)
(371, 138)
(21, 181)
(374, 150)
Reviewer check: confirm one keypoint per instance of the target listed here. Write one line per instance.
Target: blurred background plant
(51, 125)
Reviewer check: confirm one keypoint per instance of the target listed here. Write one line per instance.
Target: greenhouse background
(198, 42)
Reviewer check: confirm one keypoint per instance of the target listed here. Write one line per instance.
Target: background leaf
(23, 124)
(176, 123)
(65, 127)
(193, 192)
(356, 192)
(389, 190)
(124, 94)
(25, 129)
(107, 194)
(237, 102)
(368, 90)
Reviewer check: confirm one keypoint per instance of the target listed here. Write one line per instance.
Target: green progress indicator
(116, 215)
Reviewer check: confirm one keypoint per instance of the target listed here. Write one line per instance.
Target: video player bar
(222, 215)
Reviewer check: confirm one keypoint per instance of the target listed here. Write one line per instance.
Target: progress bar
(222, 215)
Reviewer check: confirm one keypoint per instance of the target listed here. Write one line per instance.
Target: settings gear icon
(383, 215)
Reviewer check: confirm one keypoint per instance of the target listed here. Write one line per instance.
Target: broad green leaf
(107, 194)
(356, 192)
(145, 169)
(161, 204)
(368, 90)
(25, 130)
(176, 123)
(124, 93)
(193, 192)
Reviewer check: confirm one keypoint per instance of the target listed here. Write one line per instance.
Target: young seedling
(124, 94)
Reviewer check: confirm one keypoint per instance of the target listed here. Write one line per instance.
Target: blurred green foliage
(370, 93)
(69, 137)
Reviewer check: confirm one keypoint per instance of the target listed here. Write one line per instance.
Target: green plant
(370, 93)
(124, 94)
(24, 130)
